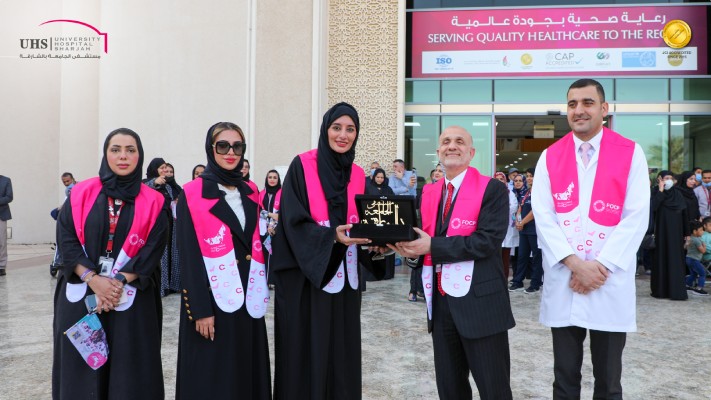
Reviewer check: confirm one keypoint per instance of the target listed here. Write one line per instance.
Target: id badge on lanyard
(107, 262)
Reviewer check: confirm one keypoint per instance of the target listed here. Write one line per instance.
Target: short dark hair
(581, 83)
(399, 161)
(695, 225)
(69, 174)
(531, 171)
(706, 171)
(706, 220)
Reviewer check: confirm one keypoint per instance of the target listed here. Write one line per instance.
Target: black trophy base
(385, 234)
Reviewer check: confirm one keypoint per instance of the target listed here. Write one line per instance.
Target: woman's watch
(121, 278)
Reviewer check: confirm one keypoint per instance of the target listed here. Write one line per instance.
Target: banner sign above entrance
(560, 41)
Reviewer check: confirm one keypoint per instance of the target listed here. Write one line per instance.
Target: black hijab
(268, 202)
(214, 172)
(681, 184)
(121, 187)
(195, 169)
(674, 199)
(272, 189)
(375, 173)
(152, 170)
(334, 169)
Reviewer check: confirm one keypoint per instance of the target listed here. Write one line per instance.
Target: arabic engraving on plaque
(382, 212)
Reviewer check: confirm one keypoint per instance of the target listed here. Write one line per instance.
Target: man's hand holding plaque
(415, 248)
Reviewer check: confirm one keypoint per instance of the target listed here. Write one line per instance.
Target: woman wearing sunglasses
(111, 233)
(222, 350)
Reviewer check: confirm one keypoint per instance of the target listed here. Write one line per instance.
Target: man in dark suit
(464, 220)
(5, 199)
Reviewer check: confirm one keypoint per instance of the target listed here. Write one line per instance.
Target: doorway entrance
(520, 139)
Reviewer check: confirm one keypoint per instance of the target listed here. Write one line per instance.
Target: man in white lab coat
(591, 205)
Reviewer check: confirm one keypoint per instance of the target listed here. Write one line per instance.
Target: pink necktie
(585, 153)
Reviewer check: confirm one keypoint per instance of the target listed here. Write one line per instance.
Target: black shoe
(420, 295)
(699, 292)
(513, 287)
(2, 272)
(531, 290)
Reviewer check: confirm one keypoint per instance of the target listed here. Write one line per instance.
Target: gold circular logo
(526, 59)
(676, 34)
(675, 59)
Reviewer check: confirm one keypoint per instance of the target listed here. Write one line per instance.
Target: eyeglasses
(223, 147)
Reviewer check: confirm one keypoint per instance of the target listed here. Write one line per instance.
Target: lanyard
(528, 193)
(113, 221)
(520, 206)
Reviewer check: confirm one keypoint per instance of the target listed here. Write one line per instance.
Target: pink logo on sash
(565, 195)
(239, 290)
(135, 240)
(217, 239)
(599, 206)
(455, 223)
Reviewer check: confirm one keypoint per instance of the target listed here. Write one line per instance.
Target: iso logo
(603, 56)
(443, 60)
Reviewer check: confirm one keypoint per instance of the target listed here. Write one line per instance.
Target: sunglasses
(223, 147)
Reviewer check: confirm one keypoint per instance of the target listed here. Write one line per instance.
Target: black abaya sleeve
(299, 241)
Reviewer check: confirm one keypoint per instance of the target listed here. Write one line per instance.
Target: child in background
(694, 253)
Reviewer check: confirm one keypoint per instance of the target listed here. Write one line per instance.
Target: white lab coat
(611, 308)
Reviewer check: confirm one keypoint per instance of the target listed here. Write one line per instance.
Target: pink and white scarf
(608, 194)
(148, 205)
(319, 212)
(277, 203)
(218, 254)
(456, 277)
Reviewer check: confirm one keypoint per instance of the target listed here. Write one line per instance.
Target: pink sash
(456, 277)
(220, 261)
(608, 194)
(148, 205)
(319, 212)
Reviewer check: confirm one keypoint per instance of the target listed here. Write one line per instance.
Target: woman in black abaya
(671, 227)
(317, 333)
(133, 369)
(222, 353)
(159, 176)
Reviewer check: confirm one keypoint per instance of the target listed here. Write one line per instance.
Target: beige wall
(49, 108)
(283, 98)
(175, 68)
